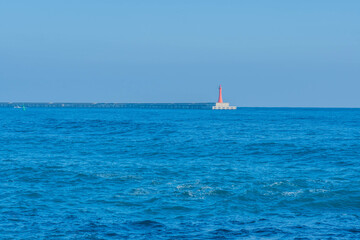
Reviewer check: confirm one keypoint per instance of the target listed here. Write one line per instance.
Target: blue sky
(264, 53)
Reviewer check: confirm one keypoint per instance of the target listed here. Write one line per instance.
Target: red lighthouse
(220, 95)
(220, 105)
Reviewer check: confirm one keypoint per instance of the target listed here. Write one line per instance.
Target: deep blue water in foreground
(252, 173)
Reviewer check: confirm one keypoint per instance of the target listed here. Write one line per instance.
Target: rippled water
(179, 174)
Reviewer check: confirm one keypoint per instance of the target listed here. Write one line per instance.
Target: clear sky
(264, 53)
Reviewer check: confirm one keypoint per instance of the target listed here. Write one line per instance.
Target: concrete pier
(204, 106)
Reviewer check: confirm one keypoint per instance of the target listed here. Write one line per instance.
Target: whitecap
(293, 194)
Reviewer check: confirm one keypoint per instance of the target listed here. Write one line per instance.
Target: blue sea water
(253, 173)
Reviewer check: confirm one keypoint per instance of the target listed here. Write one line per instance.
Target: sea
(252, 173)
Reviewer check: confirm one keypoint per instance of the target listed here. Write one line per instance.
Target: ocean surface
(253, 173)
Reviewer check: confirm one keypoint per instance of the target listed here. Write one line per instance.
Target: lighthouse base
(223, 106)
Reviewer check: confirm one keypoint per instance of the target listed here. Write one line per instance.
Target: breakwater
(108, 105)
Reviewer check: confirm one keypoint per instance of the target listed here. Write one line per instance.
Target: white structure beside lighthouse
(220, 105)
(223, 106)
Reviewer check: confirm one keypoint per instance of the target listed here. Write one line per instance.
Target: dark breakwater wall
(109, 105)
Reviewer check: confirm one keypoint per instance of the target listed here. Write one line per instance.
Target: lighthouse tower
(220, 95)
(220, 105)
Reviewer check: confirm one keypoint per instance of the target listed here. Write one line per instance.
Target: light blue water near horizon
(253, 173)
